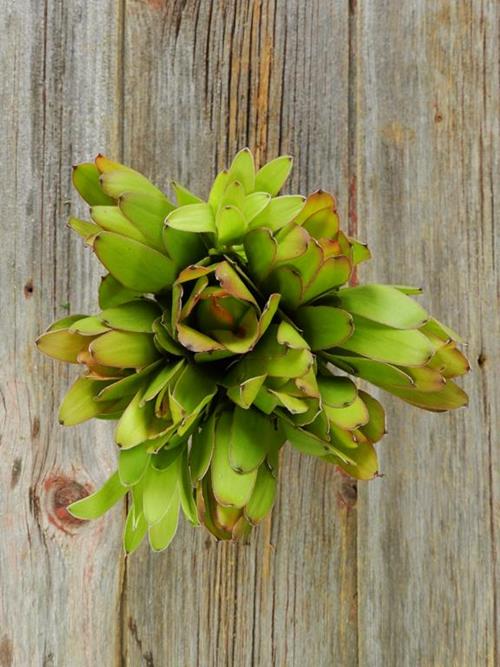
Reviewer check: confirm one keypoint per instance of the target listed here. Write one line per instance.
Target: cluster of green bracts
(225, 330)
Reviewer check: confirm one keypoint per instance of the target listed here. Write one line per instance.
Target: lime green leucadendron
(226, 328)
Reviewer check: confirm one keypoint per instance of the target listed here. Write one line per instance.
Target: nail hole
(28, 289)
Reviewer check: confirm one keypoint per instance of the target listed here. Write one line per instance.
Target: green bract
(227, 327)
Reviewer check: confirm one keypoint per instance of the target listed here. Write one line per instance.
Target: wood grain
(60, 580)
(396, 111)
(427, 183)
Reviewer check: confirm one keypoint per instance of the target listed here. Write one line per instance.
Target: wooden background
(394, 106)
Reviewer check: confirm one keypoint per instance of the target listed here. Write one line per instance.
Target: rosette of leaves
(226, 327)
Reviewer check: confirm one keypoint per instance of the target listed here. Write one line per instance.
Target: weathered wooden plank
(427, 184)
(60, 581)
(202, 80)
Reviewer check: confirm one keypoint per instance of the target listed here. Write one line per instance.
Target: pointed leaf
(217, 190)
(111, 219)
(120, 179)
(98, 503)
(381, 343)
(147, 212)
(134, 264)
(184, 248)
(231, 489)
(186, 490)
(324, 326)
(87, 230)
(136, 316)
(163, 532)
(315, 202)
(112, 293)
(242, 169)
(335, 271)
(134, 531)
(139, 423)
(245, 393)
(88, 326)
(129, 385)
(365, 462)
(337, 392)
(450, 397)
(253, 204)
(62, 345)
(263, 496)
(86, 181)
(383, 304)
(304, 441)
(378, 373)
(251, 434)
(230, 224)
(202, 449)
(261, 249)
(351, 417)
(79, 404)
(183, 196)
(161, 379)
(279, 212)
(192, 218)
(124, 349)
(272, 176)
(374, 430)
(65, 322)
(132, 464)
(160, 490)
(360, 252)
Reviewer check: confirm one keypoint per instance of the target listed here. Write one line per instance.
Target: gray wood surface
(395, 108)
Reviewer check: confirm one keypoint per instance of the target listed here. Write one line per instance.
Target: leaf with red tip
(335, 271)
(315, 202)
